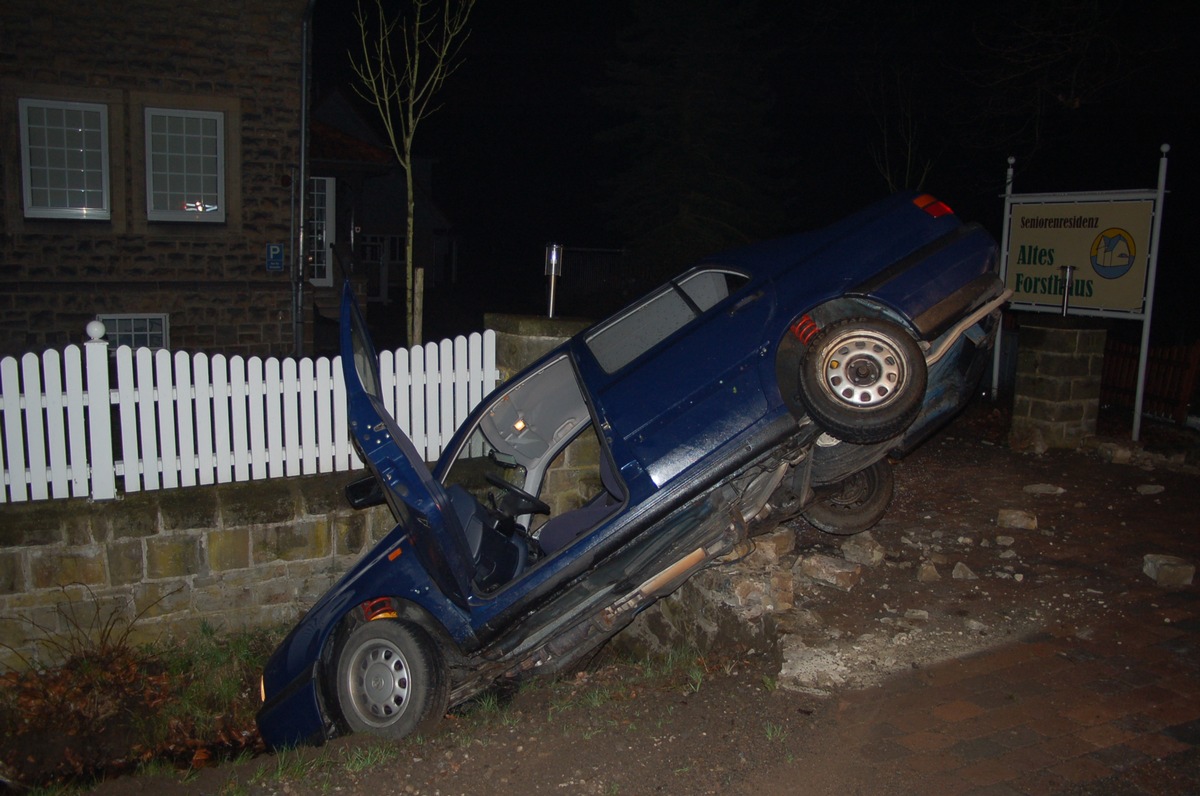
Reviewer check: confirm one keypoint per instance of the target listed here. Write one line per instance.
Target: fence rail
(1171, 378)
(84, 424)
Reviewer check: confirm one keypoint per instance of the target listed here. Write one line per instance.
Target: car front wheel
(853, 504)
(390, 679)
(863, 379)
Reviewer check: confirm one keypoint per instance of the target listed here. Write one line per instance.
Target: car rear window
(671, 307)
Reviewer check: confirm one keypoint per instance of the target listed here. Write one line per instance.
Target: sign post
(1085, 254)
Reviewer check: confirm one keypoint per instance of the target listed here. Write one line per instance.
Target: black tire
(391, 679)
(863, 379)
(854, 504)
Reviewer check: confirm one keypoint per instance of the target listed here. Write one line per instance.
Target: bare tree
(405, 59)
(899, 155)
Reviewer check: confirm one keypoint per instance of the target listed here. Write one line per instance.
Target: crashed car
(765, 383)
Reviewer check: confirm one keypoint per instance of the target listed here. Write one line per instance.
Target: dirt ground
(727, 724)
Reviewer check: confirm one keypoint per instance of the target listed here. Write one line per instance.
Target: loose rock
(1044, 489)
(928, 572)
(1016, 518)
(836, 572)
(863, 549)
(1168, 571)
(963, 572)
(1151, 489)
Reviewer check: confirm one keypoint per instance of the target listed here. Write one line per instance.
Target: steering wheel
(532, 504)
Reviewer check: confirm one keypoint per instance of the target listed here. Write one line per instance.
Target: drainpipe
(298, 271)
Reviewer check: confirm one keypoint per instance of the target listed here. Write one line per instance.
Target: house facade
(150, 165)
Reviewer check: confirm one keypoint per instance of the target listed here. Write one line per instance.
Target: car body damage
(765, 383)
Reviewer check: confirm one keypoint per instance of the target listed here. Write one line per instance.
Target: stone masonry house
(150, 160)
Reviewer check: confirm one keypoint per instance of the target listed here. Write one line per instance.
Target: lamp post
(554, 257)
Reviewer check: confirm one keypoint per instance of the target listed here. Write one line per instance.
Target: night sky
(1081, 92)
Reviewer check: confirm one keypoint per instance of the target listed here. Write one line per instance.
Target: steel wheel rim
(853, 493)
(378, 681)
(863, 370)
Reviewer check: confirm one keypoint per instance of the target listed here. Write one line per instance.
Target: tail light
(933, 206)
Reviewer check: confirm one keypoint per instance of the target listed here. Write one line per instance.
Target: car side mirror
(363, 493)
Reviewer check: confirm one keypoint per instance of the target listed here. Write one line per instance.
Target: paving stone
(978, 749)
(1066, 747)
(957, 711)
(1157, 745)
(1104, 735)
(987, 772)
(1017, 737)
(1119, 757)
(1188, 732)
(926, 741)
(1081, 769)
(929, 762)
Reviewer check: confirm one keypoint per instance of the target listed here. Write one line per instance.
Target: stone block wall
(521, 339)
(1057, 393)
(234, 556)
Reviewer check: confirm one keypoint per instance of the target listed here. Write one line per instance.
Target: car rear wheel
(854, 504)
(391, 679)
(863, 379)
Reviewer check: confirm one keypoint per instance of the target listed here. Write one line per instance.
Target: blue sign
(274, 256)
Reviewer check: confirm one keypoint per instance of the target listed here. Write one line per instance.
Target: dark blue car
(764, 383)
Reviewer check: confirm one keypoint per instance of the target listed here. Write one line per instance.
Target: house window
(322, 231)
(185, 165)
(64, 159)
(136, 331)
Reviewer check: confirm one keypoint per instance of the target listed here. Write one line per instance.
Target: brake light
(933, 206)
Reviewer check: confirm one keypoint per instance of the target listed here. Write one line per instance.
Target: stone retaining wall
(235, 556)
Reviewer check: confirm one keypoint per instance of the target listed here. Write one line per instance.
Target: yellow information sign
(1106, 242)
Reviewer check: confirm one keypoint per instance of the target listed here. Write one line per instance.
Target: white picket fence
(84, 424)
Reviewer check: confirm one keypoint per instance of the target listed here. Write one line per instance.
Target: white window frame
(119, 330)
(67, 161)
(321, 230)
(192, 179)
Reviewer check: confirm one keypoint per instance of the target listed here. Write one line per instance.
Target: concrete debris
(836, 572)
(771, 547)
(1044, 489)
(928, 572)
(863, 549)
(1117, 454)
(1017, 518)
(1151, 489)
(963, 572)
(1005, 541)
(1008, 554)
(1168, 571)
(917, 614)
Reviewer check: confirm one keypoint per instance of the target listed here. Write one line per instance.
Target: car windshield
(668, 309)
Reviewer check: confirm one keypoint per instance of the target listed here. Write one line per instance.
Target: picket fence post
(99, 408)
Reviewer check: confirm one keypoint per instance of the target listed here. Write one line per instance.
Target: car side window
(629, 335)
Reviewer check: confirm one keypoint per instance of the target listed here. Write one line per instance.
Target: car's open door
(416, 498)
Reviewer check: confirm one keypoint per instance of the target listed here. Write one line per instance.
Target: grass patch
(112, 708)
